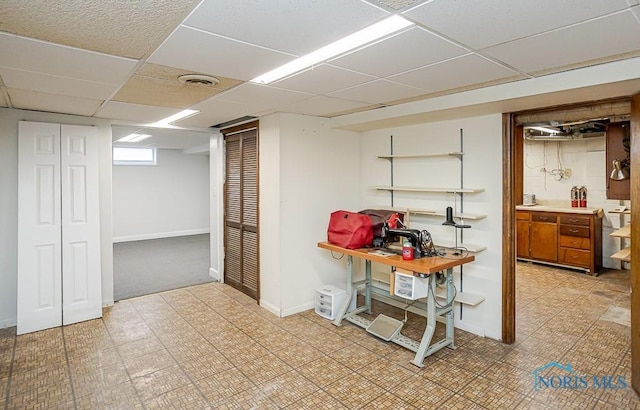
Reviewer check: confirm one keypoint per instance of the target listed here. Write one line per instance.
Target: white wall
(307, 170)
(216, 206)
(587, 161)
(482, 169)
(9, 203)
(168, 199)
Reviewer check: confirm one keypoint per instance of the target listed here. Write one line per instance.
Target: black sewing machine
(420, 240)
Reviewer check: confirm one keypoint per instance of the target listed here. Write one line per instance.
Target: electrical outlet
(567, 172)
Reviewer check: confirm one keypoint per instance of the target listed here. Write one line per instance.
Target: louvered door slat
(249, 182)
(250, 260)
(233, 180)
(233, 254)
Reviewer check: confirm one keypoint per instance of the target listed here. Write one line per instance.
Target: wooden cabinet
(567, 239)
(543, 237)
(617, 148)
(522, 234)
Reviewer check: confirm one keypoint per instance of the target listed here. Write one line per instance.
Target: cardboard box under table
(418, 280)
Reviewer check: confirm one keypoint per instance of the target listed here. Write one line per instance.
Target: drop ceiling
(121, 60)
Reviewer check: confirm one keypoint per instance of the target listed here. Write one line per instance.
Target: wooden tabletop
(425, 264)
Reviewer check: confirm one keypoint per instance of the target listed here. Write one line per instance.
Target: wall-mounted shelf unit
(624, 234)
(470, 299)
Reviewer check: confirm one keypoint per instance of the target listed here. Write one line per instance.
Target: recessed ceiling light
(198, 79)
(175, 117)
(134, 137)
(360, 38)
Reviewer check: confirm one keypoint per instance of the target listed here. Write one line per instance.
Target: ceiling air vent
(198, 79)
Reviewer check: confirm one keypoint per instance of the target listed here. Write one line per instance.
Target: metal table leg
(343, 308)
(431, 323)
(367, 289)
(449, 315)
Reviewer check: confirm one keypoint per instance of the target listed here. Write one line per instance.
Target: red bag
(350, 230)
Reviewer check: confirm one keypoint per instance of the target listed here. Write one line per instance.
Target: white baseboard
(159, 235)
(286, 312)
(214, 274)
(297, 309)
(8, 323)
(271, 308)
(107, 303)
(470, 328)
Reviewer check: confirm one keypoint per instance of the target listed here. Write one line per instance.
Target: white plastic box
(410, 287)
(329, 300)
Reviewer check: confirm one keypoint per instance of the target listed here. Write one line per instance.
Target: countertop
(568, 210)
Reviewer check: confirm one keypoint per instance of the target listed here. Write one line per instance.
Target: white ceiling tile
(457, 72)
(135, 112)
(323, 79)
(408, 50)
(161, 137)
(597, 39)
(196, 50)
(213, 112)
(262, 96)
(292, 26)
(56, 85)
(47, 58)
(378, 92)
(36, 101)
(480, 24)
(322, 106)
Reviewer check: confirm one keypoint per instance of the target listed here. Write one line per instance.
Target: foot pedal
(385, 327)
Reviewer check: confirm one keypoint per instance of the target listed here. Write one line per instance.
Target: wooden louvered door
(241, 268)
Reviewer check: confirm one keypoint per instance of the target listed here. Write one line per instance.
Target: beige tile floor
(209, 346)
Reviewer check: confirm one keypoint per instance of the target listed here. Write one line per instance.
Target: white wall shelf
(623, 255)
(624, 232)
(434, 190)
(428, 212)
(474, 248)
(415, 156)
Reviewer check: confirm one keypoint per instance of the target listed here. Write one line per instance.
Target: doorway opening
(160, 210)
(564, 309)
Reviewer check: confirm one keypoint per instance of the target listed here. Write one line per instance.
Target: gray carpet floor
(156, 265)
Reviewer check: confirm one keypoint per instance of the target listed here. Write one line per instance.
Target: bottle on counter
(583, 196)
(575, 197)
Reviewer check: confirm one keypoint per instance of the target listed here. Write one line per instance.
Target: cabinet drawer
(574, 242)
(579, 231)
(543, 217)
(522, 216)
(575, 220)
(574, 257)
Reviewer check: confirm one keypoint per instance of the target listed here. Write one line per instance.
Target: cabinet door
(543, 243)
(522, 235)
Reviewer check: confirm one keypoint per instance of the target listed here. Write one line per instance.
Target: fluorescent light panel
(176, 117)
(348, 43)
(547, 130)
(134, 137)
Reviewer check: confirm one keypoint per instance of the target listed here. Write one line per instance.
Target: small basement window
(134, 156)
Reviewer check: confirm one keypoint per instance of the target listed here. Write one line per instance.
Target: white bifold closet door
(59, 275)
